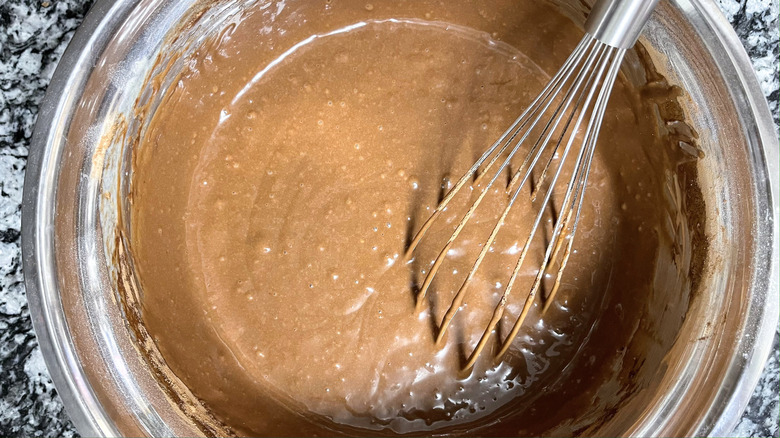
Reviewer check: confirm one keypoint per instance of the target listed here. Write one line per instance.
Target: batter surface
(285, 172)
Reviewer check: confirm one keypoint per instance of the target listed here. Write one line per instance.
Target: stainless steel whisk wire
(613, 27)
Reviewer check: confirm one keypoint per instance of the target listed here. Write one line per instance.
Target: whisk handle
(618, 23)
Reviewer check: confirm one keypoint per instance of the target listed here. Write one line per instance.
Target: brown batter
(290, 163)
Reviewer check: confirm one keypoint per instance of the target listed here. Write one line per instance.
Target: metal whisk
(576, 95)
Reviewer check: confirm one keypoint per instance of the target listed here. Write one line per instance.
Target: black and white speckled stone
(33, 35)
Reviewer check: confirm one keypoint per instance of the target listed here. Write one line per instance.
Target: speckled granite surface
(33, 35)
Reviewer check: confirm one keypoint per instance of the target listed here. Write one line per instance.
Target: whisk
(576, 95)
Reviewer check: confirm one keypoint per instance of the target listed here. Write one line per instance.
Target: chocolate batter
(289, 164)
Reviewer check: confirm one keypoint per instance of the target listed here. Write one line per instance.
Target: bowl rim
(39, 266)
(734, 400)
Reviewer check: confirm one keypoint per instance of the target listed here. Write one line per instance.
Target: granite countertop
(33, 35)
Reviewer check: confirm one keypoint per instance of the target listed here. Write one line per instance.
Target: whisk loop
(577, 95)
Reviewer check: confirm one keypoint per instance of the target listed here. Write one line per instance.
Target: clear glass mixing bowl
(106, 385)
